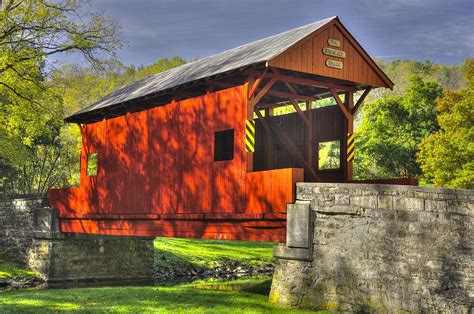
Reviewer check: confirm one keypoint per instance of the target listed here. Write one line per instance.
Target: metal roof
(253, 53)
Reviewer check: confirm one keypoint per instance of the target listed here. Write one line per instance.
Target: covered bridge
(213, 148)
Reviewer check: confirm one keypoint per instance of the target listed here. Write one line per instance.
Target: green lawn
(204, 252)
(238, 296)
(189, 298)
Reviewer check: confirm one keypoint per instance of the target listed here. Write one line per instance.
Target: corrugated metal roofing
(256, 52)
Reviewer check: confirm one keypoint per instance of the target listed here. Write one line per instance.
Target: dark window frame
(224, 145)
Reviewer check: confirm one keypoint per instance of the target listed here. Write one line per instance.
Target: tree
(391, 129)
(447, 156)
(31, 31)
(34, 148)
(38, 151)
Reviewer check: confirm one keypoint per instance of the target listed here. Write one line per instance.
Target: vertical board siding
(308, 57)
(159, 163)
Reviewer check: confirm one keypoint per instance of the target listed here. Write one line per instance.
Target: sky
(439, 30)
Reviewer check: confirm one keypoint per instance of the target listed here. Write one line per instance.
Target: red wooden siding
(307, 56)
(157, 176)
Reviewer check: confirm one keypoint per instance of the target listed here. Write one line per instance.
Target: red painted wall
(157, 176)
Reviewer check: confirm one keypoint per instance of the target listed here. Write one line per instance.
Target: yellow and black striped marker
(250, 136)
(350, 147)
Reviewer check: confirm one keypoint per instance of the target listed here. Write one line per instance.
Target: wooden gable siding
(307, 56)
(156, 171)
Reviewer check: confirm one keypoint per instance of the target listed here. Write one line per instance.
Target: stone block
(408, 203)
(385, 202)
(435, 205)
(365, 201)
(290, 253)
(342, 199)
(97, 258)
(298, 227)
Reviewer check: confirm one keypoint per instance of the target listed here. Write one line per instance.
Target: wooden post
(349, 102)
(309, 134)
(249, 116)
(269, 143)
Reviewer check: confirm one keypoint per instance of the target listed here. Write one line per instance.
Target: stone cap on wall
(354, 198)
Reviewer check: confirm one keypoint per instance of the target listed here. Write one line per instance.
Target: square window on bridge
(329, 155)
(224, 145)
(91, 164)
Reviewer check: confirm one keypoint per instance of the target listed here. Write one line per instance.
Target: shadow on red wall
(157, 176)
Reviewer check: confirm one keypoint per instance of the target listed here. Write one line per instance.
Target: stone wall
(92, 258)
(16, 225)
(29, 233)
(379, 248)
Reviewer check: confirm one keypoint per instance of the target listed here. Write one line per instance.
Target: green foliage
(31, 31)
(82, 86)
(399, 71)
(36, 151)
(329, 155)
(447, 156)
(391, 129)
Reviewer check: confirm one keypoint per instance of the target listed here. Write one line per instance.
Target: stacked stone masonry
(382, 248)
(16, 225)
(70, 258)
(29, 233)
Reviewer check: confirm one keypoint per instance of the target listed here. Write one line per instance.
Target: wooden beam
(262, 92)
(361, 100)
(309, 82)
(292, 89)
(300, 112)
(219, 84)
(346, 112)
(285, 141)
(264, 122)
(309, 135)
(289, 95)
(254, 82)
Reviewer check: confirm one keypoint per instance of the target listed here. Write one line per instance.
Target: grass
(248, 295)
(184, 298)
(9, 269)
(205, 252)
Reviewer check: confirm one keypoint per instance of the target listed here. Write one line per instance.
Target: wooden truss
(257, 89)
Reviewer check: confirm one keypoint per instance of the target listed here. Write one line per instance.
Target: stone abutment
(377, 248)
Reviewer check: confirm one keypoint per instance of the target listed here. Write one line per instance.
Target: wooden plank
(364, 55)
(309, 135)
(308, 82)
(289, 95)
(360, 100)
(254, 100)
(255, 79)
(341, 105)
(300, 112)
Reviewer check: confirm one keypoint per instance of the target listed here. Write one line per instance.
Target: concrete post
(299, 230)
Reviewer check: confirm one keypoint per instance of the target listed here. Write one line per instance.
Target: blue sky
(439, 30)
